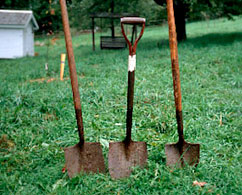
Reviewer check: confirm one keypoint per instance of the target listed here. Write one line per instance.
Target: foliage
(37, 117)
(49, 18)
(80, 11)
(208, 9)
(46, 12)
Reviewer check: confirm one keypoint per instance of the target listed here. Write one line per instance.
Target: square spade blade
(122, 157)
(87, 157)
(174, 156)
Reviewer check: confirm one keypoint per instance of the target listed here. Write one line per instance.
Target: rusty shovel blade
(176, 158)
(122, 157)
(86, 158)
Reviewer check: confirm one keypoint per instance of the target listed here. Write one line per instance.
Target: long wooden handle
(72, 70)
(175, 68)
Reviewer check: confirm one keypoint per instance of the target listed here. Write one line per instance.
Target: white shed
(17, 33)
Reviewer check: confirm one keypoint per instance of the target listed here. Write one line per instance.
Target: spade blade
(122, 157)
(87, 157)
(174, 156)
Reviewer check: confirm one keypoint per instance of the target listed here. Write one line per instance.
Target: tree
(201, 9)
(180, 9)
(46, 12)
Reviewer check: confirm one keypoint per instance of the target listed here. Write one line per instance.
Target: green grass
(39, 121)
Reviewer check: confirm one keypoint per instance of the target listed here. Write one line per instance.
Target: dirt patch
(5, 143)
(46, 79)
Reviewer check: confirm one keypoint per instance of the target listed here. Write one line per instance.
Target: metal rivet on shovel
(86, 157)
(124, 155)
(180, 153)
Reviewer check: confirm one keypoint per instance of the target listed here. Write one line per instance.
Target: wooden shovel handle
(72, 70)
(175, 68)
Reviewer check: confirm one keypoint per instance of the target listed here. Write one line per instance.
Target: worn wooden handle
(72, 70)
(132, 20)
(175, 68)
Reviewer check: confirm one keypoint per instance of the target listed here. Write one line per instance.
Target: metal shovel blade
(175, 157)
(122, 157)
(87, 158)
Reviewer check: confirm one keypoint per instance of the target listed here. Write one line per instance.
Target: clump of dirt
(50, 117)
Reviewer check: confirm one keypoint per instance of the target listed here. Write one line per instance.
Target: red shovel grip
(132, 20)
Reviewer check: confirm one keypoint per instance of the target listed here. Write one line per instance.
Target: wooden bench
(108, 42)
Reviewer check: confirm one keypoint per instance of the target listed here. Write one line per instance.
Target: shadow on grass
(157, 43)
(206, 40)
(214, 39)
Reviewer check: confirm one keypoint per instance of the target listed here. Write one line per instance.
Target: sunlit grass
(39, 121)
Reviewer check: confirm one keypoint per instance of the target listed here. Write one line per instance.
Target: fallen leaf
(104, 143)
(63, 169)
(50, 80)
(45, 144)
(38, 43)
(210, 190)
(82, 75)
(201, 184)
(220, 120)
(52, 12)
(53, 40)
(57, 184)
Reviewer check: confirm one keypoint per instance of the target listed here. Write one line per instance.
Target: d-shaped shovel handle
(132, 20)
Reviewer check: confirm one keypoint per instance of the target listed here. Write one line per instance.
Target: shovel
(86, 157)
(124, 155)
(182, 152)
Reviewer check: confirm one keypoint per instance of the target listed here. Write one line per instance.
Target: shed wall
(11, 43)
(29, 40)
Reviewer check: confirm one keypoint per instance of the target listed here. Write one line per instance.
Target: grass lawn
(37, 117)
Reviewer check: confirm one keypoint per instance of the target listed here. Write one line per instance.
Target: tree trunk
(112, 22)
(180, 20)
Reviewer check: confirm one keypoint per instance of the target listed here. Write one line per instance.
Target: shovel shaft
(131, 70)
(130, 99)
(72, 70)
(175, 68)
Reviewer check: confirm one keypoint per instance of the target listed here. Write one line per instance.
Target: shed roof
(17, 19)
